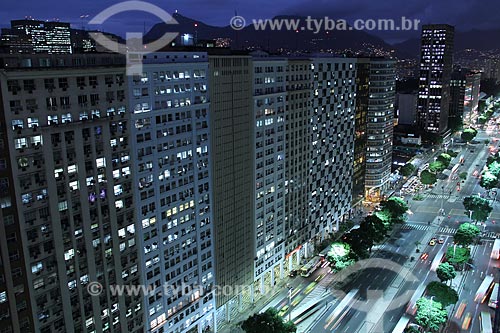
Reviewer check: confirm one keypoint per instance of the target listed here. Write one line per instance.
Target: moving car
(433, 241)
(293, 273)
(424, 256)
(441, 240)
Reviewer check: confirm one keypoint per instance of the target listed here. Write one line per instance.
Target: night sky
(464, 14)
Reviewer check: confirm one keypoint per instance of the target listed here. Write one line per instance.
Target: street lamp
(430, 313)
(290, 303)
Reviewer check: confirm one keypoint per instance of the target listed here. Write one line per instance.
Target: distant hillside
(272, 40)
(474, 39)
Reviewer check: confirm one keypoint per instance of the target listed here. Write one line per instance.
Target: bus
(310, 267)
(485, 322)
(438, 259)
(401, 325)
(495, 252)
(492, 303)
(484, 289)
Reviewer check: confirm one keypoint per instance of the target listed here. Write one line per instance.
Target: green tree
(269, 322)
(488, 180)
(466, 234)
(445, 159)
(375, 228)
(445, 272)
(442, 293)
(480, 208)
(494, 167)
(430, 314)
(408, 169)
(397, 207)
(463, 175)
(436, 166)
(417, 244)
(427, 177)
(339, 256)
(457, 255)
(468, 134)
(360, 244)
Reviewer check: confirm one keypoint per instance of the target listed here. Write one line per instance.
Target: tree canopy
(456, 255)
(445, 159)
(466, 234)
(396, 206)
(339, 256)
(480, 207)
(430, 314)
(442, 293)
(427, 177)
(269, 322)
(437, 166)
(407, 169)
(445, 272)
(468, 134)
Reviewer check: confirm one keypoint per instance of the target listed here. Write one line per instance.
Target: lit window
(63, 205)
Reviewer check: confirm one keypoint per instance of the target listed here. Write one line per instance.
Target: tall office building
(297, 157)
(34, 36)
(457, 94)
(332, 142)
(472, 91)
(171, 167)
(434, 79)
(232, 142)
(379, 99)
(283, 145)
(362, 98)
(406, 108)
(69, 202)
(269, 90)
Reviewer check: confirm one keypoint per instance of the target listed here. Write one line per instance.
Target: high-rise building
(434, 79)
(171, 168)
(472, 91)
(297, 157)
(361, 117)
(378, 99)
(269, 90)
(406, 108)
(232, 144)
(69, 204)
(34, 36)
(283, 145)
(457, 94)
(332, 121)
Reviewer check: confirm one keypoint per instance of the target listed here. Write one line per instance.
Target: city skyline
(219, 14)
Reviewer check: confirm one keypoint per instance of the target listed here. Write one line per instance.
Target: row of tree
(375, 228)
(431, 309)
(355, 244)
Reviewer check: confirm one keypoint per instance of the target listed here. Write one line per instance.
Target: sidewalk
(250, 309)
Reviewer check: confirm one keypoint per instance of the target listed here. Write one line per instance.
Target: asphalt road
(383, 289)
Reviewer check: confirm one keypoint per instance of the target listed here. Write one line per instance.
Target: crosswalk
(444, 230)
